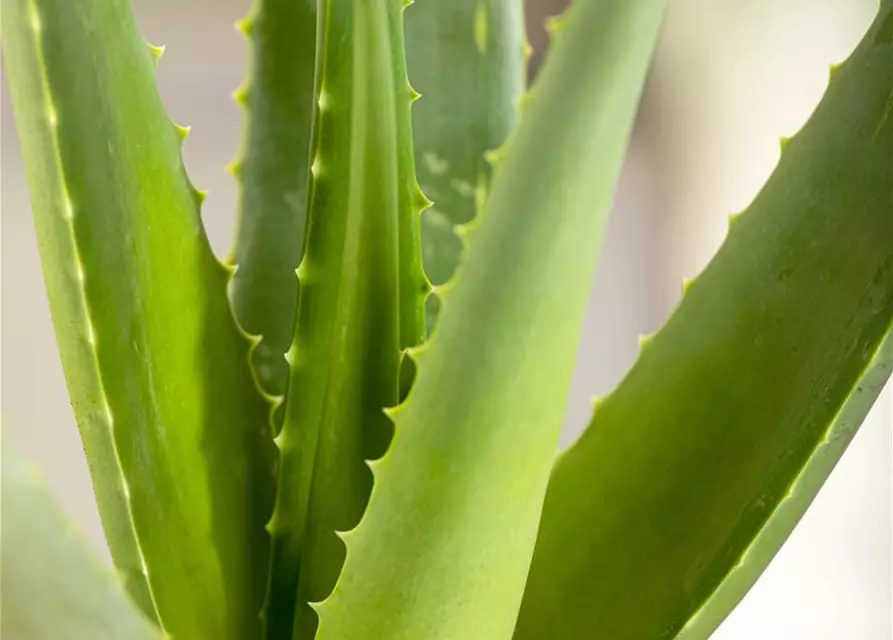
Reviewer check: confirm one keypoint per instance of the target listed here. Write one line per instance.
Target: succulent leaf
(466, 57)
(273, 171)
(174, 427)
(53, 587)
(63, 273)
(361, 303)
(442, 550)
(697, 467)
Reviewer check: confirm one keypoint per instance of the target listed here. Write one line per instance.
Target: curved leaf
(157, 370)
(695, 470)
(278, 100)
(443, 548)
(466, 57)
(361, 303)
(23, 61)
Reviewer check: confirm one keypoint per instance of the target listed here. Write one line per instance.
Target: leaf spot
(437, 218)
(435, 164)
(463, 187)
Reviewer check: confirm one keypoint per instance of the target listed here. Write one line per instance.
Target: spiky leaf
(443, 548)
(278, 100)
(467, 58)
(695, 470)
(361, 303)
(174, 428)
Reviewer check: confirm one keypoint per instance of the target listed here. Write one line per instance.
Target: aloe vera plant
(348, 430)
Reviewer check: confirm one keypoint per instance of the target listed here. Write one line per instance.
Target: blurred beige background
(730, 78)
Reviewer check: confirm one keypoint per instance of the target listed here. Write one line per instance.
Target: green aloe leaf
(53, 587)
(24, 60)
(278, 100)
(466, 57)
(443, 548)
(361, 303)
(695, 470)
(175, 430)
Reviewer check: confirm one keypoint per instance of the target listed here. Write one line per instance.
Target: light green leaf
(278, 100)
(173, 425)
(466, 57)
(23, 58)
(695, 470)
(443, 548)
(361, 303)
(52, 586)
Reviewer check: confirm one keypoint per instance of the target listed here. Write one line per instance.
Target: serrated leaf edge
(417, 352)
(68, 213)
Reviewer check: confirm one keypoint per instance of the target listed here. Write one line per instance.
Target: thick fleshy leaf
(278, 100)
(23, 64)
(52, 586)
(361, 303)
(443, 548)
(467, 58)
(695, 470)
(174, 428)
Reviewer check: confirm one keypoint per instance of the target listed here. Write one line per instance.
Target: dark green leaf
(172, 422)
(361, 303)
(279, 104)
(694, 471)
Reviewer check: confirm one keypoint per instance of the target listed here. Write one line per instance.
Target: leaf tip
(182, 131)
(199, 196)
(415, 352)
(240, 95)
(494, 157)
(303, 272)
(245, 26)
(291, 356)
(234, 168)
(316, 168)
(645, 341)
(281, 442)
(156, 52)
(272, 526)
(420, 201)
(554, 24)
(783, 143)
(526, 51)
(596, 402)
(733, 219)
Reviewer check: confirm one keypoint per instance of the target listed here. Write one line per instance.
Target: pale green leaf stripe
(154, 343)
(53, 588)
(278, 101)
(466, 57)
(361, 301)
(695, 470)
(443, 548)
